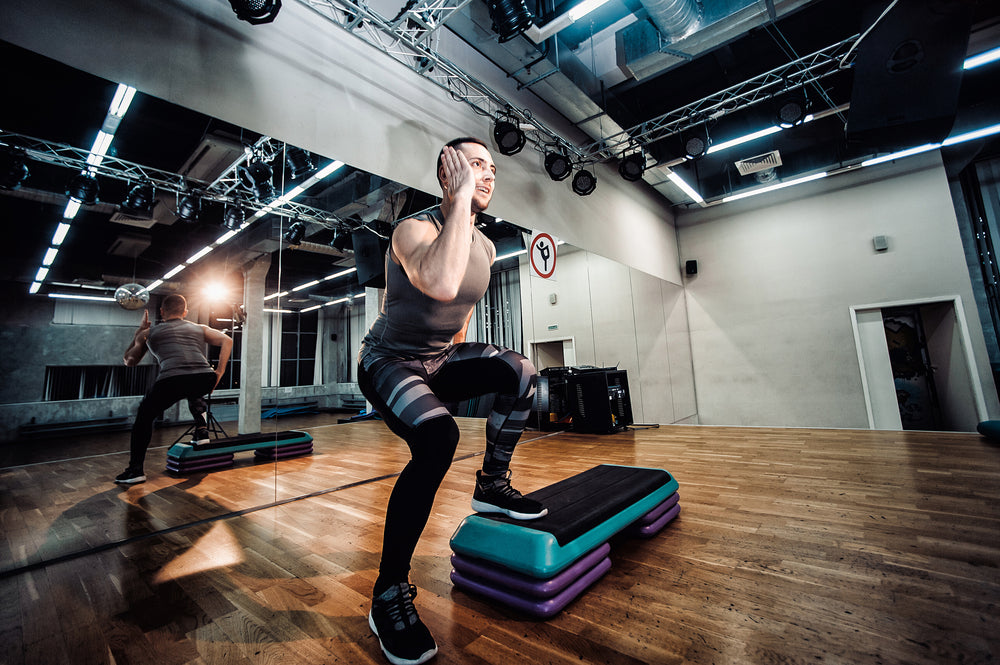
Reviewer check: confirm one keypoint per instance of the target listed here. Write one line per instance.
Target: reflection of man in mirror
(179, 348)
(415, 359)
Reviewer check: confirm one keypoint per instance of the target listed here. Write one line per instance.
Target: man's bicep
(410, 242)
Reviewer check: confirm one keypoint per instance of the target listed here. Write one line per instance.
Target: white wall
(769, 313)
(304, 80)
(617, 315)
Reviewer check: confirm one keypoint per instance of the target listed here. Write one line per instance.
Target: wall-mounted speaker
(369, 257)
(691, 267)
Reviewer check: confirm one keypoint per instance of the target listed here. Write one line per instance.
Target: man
(414, 360)
(179, 348)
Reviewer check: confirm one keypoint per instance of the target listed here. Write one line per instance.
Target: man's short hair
(173, 305)
(451, 144)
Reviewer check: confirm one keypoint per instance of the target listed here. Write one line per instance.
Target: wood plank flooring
(792, 546)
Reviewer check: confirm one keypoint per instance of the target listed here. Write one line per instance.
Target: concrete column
(252, 353)
(373, 303)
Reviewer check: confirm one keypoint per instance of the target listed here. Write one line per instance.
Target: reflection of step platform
(539, 566)
(219, 453)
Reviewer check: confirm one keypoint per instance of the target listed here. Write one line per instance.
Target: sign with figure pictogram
(542, 254)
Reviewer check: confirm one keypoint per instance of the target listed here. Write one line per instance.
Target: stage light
(139, 201)
(695, 145)
(299, 162)
(790, 110)
(342, 240)
(584, 182)
(256, 176)
(510, 18)
(256, 12)
(557, 165)
(233, 217)
(188, 208)
(295, 233)
(83, 189)
(13, 168)
(632, 166)
(509, 137)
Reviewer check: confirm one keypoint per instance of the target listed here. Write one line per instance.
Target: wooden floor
(792, 546)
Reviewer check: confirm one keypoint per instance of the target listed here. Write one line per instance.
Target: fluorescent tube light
(584, 8)
(202, 252)
(72, 208)
(511, 255)
(983, 58)
(340, 274)
(975, 134)
(61, 230)
(306, 285)
(40, 275)
(327, 170)
(122, 100)
(75, 296)
(743, 139)
(309, 309)
(34, 287)
(688, 189)
(225, 237)
(902, 153)
(276, 295)
(175, 271)
(771, 188)
(154, 285)
(50, 256)
(279, 311)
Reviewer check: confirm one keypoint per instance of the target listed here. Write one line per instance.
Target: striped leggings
(411, 395)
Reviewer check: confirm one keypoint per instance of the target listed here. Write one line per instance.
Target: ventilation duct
(675, 19)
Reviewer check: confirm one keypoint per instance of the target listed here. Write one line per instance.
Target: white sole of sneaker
(396, 660)
(481, 507)
(132, 481)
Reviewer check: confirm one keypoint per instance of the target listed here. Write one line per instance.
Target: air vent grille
(768, 160)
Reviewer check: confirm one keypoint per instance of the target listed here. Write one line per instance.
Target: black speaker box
(907, 74)
(691, 267)
(369, 257)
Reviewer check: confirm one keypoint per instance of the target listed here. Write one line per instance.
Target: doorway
(917, 367)
(553, 353)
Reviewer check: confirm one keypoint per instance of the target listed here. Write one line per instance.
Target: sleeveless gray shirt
(179, 347)
(411, 324)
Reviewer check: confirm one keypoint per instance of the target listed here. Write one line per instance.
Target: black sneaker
(494, 494)
(404, 638)
(130, 476)
(200, 436)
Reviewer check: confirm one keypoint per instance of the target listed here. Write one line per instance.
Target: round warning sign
(542, 255)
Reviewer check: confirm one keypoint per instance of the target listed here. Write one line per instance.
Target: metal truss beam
(226, 189)
(408, 40)
(786, 78)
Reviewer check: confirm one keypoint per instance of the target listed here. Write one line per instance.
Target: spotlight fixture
(557, 165)
(13, 168)
(189, 208)
(790, 110)
(695, 145)
(584, 182)
(632, 166)
(510, 18)
(299, 162)
(233, 217)
(295, 232)
(256, 176)
(139, 201)
(509, 137)
(256, 12)
(342, 241)
(83, 189)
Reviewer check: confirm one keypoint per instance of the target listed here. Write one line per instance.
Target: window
(64, 382)
(231, 379)
(298, 348)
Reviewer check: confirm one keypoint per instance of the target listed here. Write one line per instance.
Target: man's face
(485, 172)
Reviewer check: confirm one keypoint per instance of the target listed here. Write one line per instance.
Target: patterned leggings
(410, 395)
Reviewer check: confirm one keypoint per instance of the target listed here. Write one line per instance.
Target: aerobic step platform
(584, 512)
(539, 566)
(218, 453)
